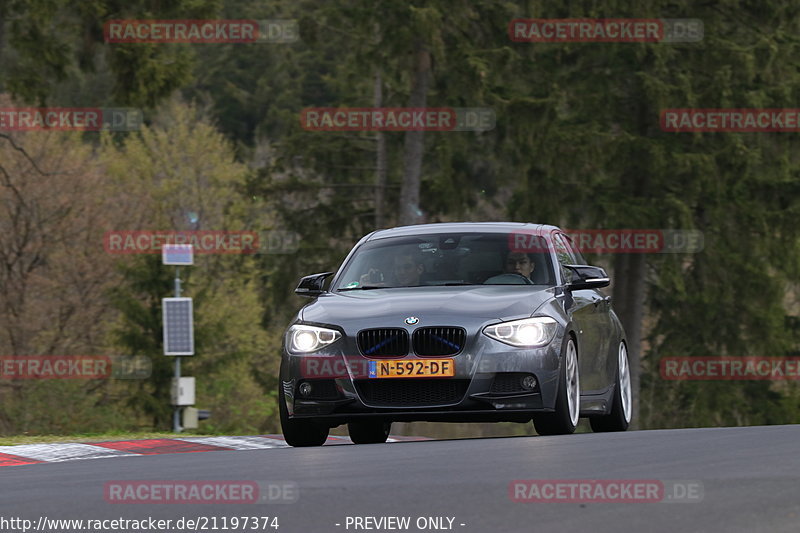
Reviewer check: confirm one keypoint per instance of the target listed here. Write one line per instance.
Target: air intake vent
(411, 392)
(510, 383)
(439, 341)
(384, 342)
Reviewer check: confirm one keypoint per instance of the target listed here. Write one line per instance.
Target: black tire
(302, 432)
(369, 431)
(617, 419)
(560, 422)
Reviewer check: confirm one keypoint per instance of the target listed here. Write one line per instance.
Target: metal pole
(176, 415)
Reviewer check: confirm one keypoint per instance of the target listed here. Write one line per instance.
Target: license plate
(416, 368)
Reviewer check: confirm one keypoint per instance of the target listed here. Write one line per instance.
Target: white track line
(53, 453)
(57, 452)
(237, 443)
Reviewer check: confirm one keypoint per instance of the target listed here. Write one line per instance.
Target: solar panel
(177, 254)
(178, 329)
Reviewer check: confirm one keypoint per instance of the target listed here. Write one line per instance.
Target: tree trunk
(629, 299)
(2, 38)
(381, 178)
(413, 149)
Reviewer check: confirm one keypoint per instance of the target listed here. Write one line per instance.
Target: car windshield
(447, 259)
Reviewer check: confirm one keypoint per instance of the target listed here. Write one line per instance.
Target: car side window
(576, 254)
(564, 255)
(563, 252)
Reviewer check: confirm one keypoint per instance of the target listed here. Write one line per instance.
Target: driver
(516, 263)
(519, 263)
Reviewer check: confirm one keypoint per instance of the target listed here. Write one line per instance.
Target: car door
(587, 313)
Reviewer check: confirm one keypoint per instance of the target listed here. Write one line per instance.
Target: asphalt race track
(749, 479)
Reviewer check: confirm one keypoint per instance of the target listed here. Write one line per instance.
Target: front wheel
(568, 400)
(620, 416)
(369, 431)
(299, 432)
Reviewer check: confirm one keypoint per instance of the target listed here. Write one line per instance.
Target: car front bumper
(482, 389)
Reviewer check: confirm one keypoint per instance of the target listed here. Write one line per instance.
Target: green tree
(603, 146)
(181, 175)
(45, 44)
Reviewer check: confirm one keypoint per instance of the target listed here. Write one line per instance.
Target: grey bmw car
(455, 322)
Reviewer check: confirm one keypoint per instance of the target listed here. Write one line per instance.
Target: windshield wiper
(363, 288)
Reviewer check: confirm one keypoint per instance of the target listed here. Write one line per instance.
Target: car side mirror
(312, 285)
(587, 277)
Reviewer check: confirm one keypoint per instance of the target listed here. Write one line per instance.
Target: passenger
(407, 268)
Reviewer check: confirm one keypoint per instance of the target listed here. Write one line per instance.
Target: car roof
(461, 227)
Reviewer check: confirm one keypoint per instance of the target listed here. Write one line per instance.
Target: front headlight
(525, 333)
(306, 339)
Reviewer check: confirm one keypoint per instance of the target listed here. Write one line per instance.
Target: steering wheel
(509, 278)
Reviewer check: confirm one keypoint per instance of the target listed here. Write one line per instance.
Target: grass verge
(93, 437)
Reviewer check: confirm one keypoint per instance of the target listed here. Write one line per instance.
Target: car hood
(429, 304)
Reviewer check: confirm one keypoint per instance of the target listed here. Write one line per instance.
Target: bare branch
(25, 153)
